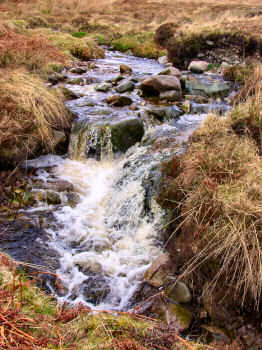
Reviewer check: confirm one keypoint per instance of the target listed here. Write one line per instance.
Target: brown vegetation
(29, 113)
(214, 195)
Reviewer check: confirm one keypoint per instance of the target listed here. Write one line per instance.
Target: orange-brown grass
(29, 112)
(216, 189)
(34, 52)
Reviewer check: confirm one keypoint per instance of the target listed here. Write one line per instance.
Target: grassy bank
(214, 193)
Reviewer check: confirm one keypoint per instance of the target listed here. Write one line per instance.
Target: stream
(95, 222)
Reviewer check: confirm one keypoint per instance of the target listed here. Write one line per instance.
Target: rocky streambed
(92, 217)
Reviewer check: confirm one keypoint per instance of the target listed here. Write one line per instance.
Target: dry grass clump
(215, 193)
(29, 112)
(34, 52)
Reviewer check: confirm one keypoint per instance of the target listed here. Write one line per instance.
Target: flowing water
(106, 237)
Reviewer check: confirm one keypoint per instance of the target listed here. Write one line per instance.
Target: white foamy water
(107, 232)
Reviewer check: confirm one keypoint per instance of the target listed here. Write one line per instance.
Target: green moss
(79, 34)
(142, 45)
(58, 68)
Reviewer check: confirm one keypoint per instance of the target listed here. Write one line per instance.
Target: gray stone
(119, 101)
(125, 69)
(163, 60)
(159, 83)
(78, 70)
(179, 292)
(198, 66)
(103, 87)
(171, 95)
(157, 272)
(171, 71)
(126, 86)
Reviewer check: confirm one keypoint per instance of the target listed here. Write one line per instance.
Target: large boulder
(159, 83)
(198, 66)
(78, 70)
(107, 136)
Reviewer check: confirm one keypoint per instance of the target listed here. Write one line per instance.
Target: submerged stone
(207, 86)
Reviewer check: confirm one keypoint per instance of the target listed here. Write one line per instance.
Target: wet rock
(58, 137)
(179, 292)
(92, 65)
(216, 334)
(119, 101)
(163, 60)
(118, 78)
(69, 95)
(157, 272)
(198, 66)
(28, 243)
(73, 199)
(89, 140)
(103, 87)
(172, 95)
(57, 185)
(133, 108)
(127, 86)
(178, 316)
(159, 83)
(186, 106)
(95, 289)
(207, 86)
(196, 98)
(78, 70)
(164, 113)
(88, 266)
(53, 198)
(125, 69)
(171, 71)
(78, 81)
